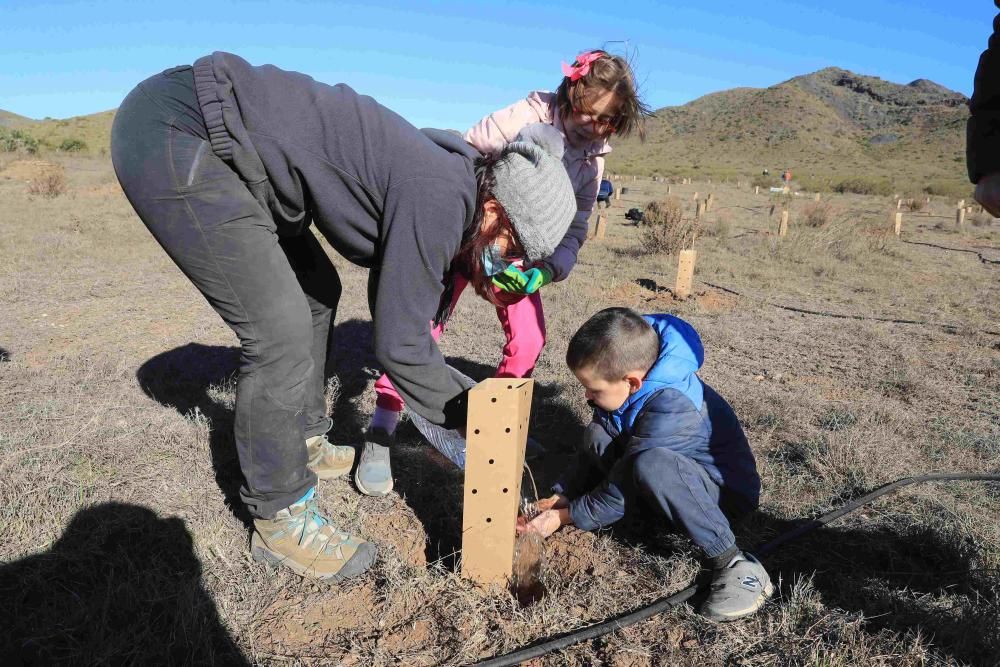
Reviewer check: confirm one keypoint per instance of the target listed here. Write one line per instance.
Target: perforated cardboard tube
(497, 430)
(685, 273)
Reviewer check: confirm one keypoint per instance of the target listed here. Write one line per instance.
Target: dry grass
(666, 229)
(817, 213)
(48, 183)
(125, 541)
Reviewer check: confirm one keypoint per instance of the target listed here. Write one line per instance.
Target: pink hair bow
(583, 67)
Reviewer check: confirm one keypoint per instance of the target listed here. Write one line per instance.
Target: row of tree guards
(686, 258)
(498, 416)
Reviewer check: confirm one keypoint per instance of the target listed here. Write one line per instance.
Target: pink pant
(523, 323)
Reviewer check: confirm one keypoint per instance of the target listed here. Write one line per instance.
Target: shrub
(981, 219)
(760, 180)
(73, 145)
(864, 186)
(719, 226)
(951, 189)
(17, 140)
(816, 214)
(667, 230)
(48, 184)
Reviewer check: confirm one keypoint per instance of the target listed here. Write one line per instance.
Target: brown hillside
(8, 119)
(829, 125)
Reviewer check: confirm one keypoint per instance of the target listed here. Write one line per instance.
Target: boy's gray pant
(279, 295)
(683, 492)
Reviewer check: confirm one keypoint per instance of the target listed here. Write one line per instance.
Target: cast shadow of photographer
(121, 586)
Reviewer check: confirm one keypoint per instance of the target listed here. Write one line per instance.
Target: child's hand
(544, 524)
(516, 281)
(555, 502)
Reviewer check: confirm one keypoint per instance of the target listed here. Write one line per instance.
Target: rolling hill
(825, 126)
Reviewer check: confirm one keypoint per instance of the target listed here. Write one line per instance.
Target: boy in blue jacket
(660, 439)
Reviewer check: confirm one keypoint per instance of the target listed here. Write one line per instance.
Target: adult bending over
(228, 165)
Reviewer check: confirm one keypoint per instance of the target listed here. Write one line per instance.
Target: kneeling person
(660, 439)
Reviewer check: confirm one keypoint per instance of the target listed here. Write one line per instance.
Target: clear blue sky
(446, 64)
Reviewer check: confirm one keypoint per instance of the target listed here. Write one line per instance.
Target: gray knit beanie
(534, 189)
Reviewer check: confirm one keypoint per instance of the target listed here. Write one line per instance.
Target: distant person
(662, 442)
(786, 177)
(229, 164)
(982, 147)
(597, 98)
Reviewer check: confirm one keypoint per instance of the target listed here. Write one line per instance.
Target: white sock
(385, 419)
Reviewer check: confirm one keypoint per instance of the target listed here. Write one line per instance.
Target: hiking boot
(302, 539)
(328, 460)
(374, 474)
(737, 590)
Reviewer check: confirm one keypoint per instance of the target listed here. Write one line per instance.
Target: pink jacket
(585, 165)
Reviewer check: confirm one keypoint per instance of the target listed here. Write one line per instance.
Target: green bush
(17, 140)
(951, 189)
(864, 186)
(73, 145)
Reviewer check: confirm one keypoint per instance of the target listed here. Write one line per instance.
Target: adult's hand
(988, 193)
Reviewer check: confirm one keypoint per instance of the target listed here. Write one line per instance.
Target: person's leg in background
(523, 324)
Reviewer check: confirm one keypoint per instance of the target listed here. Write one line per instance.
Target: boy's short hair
(613, 342)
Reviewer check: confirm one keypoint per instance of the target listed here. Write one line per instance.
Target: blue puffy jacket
(672, 409)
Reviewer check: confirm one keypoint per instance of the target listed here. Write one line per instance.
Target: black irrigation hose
(942, 247)
(562, 641)
(806, 311)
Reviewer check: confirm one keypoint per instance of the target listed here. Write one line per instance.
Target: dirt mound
(572, 552)
(403, 532)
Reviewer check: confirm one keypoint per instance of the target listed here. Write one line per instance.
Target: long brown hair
(614, 74)
(469, 260)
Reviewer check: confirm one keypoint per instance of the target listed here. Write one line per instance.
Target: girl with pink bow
(596, 98)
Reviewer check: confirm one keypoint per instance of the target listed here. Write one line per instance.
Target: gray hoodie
(384, 194)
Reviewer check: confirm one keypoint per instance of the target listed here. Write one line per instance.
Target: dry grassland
(124, 541)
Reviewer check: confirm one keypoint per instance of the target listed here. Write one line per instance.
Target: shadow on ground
(121, 586)
(184, 377)
(897, 574)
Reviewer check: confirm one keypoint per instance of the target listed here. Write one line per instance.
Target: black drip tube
(543, 646)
